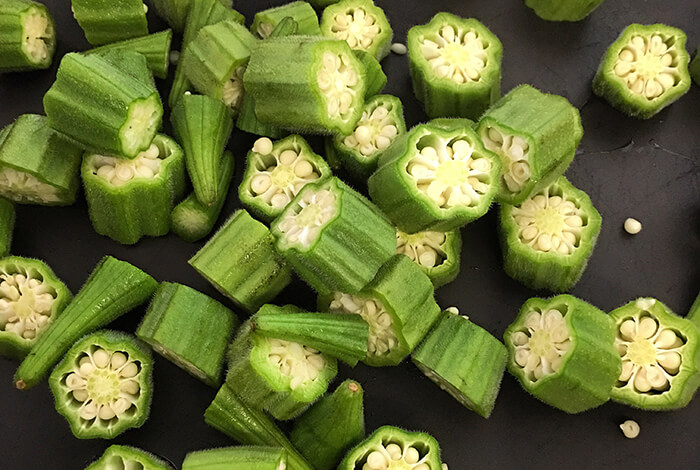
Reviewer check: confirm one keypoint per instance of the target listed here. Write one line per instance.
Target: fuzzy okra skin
(455, 66)
(644, 70)
(154, 47)
(107, 21)
(132, 63)
(438, 254)
(694, 67)
(375, 77)
(7, 226)
(563, 10)
(27, 36)
(361, 24)
(113, 288)
(694, 312)
(302, 13)
(237, 458)
(562, 351)
(175, 12)
(127, 457)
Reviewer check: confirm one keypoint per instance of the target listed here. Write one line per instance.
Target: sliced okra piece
(191, 220)
(390, 448)
(321, 4)
(433, 178)
(302, 13)
(464, 360)
(361, 24)
(375, 76)
(107, 21)
(154, 47)
(563, 10)
(286, 27)
(453, 123)
(103, 385)
(31, 298)
(132, 63)
(232, 458)
(548, 239)
(694, 67)
(175, 12)
(132, 198)
(126, 457)
(455, 66)
(644, 70)
(333, 237)
(7, 225)
(240, 261)
(276, 172)
(113, 288)
(248, 121)
(341, 336)
(438, 254)
(306, 83)
(175, 313)
(535, 134)
(660, 354)
(562, 351)
(398, 305)
(28, 38)
(381, 123)
(694, 312)
(331, 426)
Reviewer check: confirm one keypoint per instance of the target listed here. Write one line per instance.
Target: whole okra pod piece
(154, 47)
(303, 14)
(107, 21)
(241, 458)
(563, 10)
(361, 24)
(128, 457)
(27, 36)
(438, 254)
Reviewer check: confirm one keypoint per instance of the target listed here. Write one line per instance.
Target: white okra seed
(632, 226)
(262, 146)
(398, 48)
(630, 429)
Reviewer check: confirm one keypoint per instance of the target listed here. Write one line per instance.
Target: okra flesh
(438, 254)
(27, 36)
(118, 457)
(154, 47)
(7, 224)
(107, 21)
(361, 24)
(563, 10)
(303, 14)
(237, 458)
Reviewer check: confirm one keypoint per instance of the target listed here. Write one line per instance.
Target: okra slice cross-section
(438, 254)
(126, 457)
(361, 24)
(28, 36)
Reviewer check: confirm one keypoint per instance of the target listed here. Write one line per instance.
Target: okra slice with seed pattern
(361, 24)
(103, 385)
(433, 178)
(563, 10)
(455, 66)
(391, 448)
(660, 354)
(438, 254)
(175, 12)
(125, 457)
(154, 47)
(107, 21)
(644, 70)
(276, 172)
(132, 198)
(547, 240)
(28, 38)
(232, 458)
(694, 67)
(375, 77)
(31, 298)
(333, 237)
(302, 13)
(562, 352)
(7, 225)
(113, 288)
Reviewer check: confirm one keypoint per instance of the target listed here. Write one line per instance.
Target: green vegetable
(361, 24)
(436, 253)
(694, 67)
(286, 27)
(7, 226)
(27, 36)
(453, 123)
(126, 457)
(302, 13)
(132, 63)
(107, 21)
(375, 77)
(563, 10)
(237, 458)
(248, 121)
(154, 47)
(175, 12)
(694, 312)
(320, 4)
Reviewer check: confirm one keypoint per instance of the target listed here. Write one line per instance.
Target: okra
(103, 385)
(37, 164)
(398, 305)
(191, 220)
(132, 63)
(302, 13)
(433, 178)
(535, 135)
(237, 458)
(660, 354)
(562, 352)
(320, 4)
(563, 10)
(455, 66)
(175, 12)
(361, 24)
(276, 172)
(375, 77)
(126, 457)
(453, 123)
(113, 288)
(694, 312)
(644, 70)
(154, 47)
(175, 314)
(331, 426)
(31, 298)
(132, 198)
(107, 21)
(547, 240)
(694, 67)
(27, 36)
(464, 360)
(333, 237)
(436, 253)
(248, 121)
(306, 83)
(7, 225)
(390, 448)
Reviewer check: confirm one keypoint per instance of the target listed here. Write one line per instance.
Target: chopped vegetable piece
(694, 312)
(694, 67)
(232, 458)
(375, 77)
(154, 47)
(436, 253)
(27, 36)
(301, 13)
(361, 24)
(175, 12)
(118, 457)
(7, 226)
(563, 10)
(107, 21)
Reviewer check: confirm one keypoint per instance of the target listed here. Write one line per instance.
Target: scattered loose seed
(632, 226)
(630, 429)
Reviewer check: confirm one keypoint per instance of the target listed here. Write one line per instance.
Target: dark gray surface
(646, 169)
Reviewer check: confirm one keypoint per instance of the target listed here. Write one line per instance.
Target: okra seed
(632, 226)
(263, 146)
(25, 187)
(398, 48)
(376, 460)
(411, 456)
(394, 451)
(630, 429)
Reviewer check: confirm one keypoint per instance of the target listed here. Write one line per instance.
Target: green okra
(547, 240)
(127, 457)
(27, 36)
(331, 426)
(464, 360)
(306, 83)
(107, 21)
(132, 63)
(390, 447)
(361, 24)
(333, 237)
(203, 125)
(154, 47)
(103, 385)
(341, 336)
(113, 288)
(398, 305)
(276, 172)
(286, 27)
(248, 121)
(694, 312)
(453, 123)
(175, 12)
(132, 198)
(375, 77)
(7, 225)
(237, 458)
(438, 254)
(660, 354)
(563, 10)
(694, 67)
(455, 66)
(435, 178)
(31, 298)
(644, 70)
(240, 261)
(302, 13)
(190, 329)
(191, 220)
(320, 4)
(562, 352)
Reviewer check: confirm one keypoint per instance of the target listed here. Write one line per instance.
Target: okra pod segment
(563, 10)
(694, 312)
(175, 12)
(128, 457)
(562, 352)
(375, 77)
(438, 254)
(28, 38)
(107, 21)
(694, 67)
(361, 24)
(7, 225)
(644, 70)
(154, 47)
(303, 14)
(232, 458)
(248, 121)
(660, 354)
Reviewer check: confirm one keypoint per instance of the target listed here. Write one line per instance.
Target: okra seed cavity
(296, 361)
(382, 338)
(630, 429)
(26, 303)
(119, 171)
(304, 223)
(456, 54)
(425, 248)
(37, 29)
(26, 186)
(357, 27)
(233, 88)
(541, 343)
(375, 131)
(395, 456)
(514, 152)
(338, 81)
(648, 65)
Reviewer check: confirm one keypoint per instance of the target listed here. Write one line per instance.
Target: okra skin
(563, 10)
(127, 455)
(694, 67)
(27, 36)
(107, 21)
(429, 449)
(113, 288)
(7, 226)
(448, 253)
(154, 47)
(233, 458)
(248, 121)
(375, 77)
(694, 312)
(175, 12)
(379, 42)
(302, 13)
